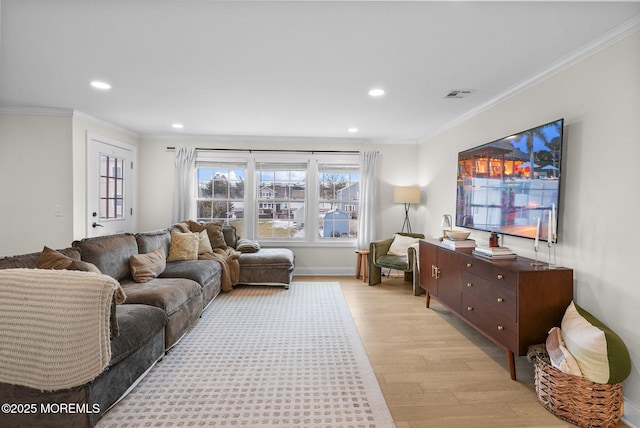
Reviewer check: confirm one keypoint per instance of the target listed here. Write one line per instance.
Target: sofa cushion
(138, 323)
(393, 262)
(230, 236)
(600, 353)
(145, 267)
(168, 294)
(184, 246)
(110, 254)
(200, 271)
(149, 241)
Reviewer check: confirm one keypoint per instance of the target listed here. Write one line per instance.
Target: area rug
(263, 357)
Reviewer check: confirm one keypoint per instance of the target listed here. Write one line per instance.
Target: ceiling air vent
(458, 93)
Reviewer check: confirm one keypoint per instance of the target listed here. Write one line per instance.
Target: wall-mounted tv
(510, 185)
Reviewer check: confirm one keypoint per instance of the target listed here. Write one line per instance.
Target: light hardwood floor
(434, 370)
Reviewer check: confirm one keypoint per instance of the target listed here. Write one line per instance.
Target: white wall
(396, 166)
(36, 201)
(600, 101)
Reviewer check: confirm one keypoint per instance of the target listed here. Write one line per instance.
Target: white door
(110, 186)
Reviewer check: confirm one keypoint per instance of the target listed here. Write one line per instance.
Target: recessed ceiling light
(101, 85)
(177, 126)
(353, 130)
(376, 92)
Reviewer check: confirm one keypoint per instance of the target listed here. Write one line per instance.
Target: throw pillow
(245, 245)
(204, 244)
(400, 244)
(52, 259)
(600, 353)
(214, 231)
(184, 246)
(216, 237)
(145, 267)
(559, 355)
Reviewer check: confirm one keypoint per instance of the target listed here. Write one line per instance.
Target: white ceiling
(290, 69)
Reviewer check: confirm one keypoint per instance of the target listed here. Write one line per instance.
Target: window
(303, 198)
(111, 187)
(282, 190)
(338, 200)
(221, 193)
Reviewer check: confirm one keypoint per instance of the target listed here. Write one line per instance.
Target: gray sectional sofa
(155, 316)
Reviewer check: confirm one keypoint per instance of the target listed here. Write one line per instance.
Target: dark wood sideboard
(513, 303)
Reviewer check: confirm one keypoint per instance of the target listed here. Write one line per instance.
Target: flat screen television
(511, 185)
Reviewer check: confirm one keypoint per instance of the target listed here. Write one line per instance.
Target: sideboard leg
(428, 300)
(512, 364)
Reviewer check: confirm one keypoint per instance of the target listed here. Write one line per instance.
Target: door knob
(96, 224)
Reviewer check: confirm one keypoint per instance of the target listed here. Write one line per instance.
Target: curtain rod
(271, 150)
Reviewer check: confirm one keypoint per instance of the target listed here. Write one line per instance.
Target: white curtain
(367, 214)
(184, 185)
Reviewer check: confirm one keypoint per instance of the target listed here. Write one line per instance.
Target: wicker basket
(576, 399)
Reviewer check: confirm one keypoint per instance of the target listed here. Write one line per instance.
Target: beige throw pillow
(204, 244)
(400, 245)
(145, 267)
(184, 246)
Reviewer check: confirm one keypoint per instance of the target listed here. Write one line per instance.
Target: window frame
(251, 195)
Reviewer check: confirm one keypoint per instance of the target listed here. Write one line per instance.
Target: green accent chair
(378, 259)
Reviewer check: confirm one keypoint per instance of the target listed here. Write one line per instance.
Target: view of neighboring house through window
(338, 200)
(221, 194)
(111, 187)
(298, 197)
(282, 196)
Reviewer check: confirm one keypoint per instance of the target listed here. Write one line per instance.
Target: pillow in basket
(559, 355)
(600, 353)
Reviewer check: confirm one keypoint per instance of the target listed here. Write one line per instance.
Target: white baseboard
(631, 414)
(324, 271)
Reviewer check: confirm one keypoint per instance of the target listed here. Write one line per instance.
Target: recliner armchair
(379, 258)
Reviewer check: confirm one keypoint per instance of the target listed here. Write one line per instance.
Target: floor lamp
(406, 196)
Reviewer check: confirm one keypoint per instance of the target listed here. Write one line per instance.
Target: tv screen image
(509, 185)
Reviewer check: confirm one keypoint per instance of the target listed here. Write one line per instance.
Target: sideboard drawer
(493, 324)
(491, 271)
(500, 299)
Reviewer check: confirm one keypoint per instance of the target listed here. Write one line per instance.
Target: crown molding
(99, 122)
(620, 32)
(37, 111)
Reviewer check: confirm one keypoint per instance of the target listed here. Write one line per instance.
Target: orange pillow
(145, 267)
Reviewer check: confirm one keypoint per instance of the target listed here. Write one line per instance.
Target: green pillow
(600, 353)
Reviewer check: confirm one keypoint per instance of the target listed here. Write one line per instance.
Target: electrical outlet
(57, 210)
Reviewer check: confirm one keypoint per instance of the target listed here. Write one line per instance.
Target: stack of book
(452, 245)
(494, 252)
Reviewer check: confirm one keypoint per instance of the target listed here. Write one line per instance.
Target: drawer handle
(500, 276)
(500, 328)
(435, 272)
(469, 284)
(469, 308)
(469, 264)
(500, 300)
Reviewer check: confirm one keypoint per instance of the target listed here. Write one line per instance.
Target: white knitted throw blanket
(54, 327)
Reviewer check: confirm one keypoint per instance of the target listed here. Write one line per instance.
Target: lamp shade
(406, 195)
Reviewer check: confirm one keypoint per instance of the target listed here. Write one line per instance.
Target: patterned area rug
(262, 357)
